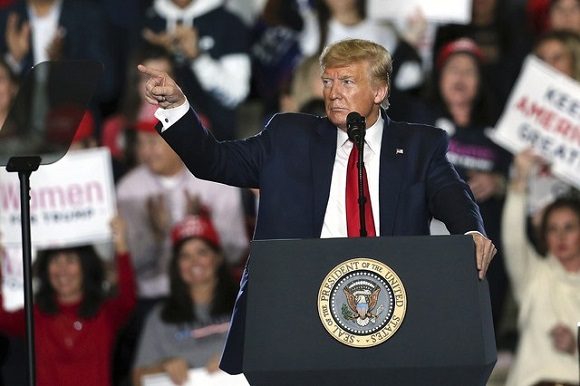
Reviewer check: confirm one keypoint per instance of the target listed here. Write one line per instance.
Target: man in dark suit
(299, 161)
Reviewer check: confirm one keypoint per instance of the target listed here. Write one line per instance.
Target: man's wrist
(169, 116)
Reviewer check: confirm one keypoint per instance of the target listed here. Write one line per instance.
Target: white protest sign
(443, 11)
(198, 376)
(543, 113)
(12, 277)
(71, 201)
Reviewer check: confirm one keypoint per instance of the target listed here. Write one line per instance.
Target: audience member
(463, 109)
(118, 132)
(546, 287)
(41, 30)
(153, 197)
(276, 50)
(188, 329)
(503, 44)
(561, 50)
(76, 320)
(84, 137)
(304, 87)
(339, 19)
(160, 192)
(210, 46)
(8, 89)
(564, 15)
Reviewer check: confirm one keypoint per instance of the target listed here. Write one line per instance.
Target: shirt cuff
(473, 232)
(168, 117)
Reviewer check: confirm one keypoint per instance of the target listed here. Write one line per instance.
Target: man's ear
(381, 93)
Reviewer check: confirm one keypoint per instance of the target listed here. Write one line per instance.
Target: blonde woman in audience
(546, 287)
(561, 50)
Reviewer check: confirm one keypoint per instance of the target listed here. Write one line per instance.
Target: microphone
(356, 128)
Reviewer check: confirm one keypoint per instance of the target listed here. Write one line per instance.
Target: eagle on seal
(362, 305)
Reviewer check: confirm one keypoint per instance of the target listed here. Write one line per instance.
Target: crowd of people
(182, 242)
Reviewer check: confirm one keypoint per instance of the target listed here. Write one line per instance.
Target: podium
(445, 338)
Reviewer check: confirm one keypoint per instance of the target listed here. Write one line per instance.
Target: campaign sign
(71, 201)
(543, 113)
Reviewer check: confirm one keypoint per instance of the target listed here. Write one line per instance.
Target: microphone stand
(360, 144)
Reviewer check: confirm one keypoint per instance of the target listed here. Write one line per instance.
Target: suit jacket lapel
(323, 151)
(390, 175)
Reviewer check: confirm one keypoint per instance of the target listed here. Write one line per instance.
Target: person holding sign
(546, 287)
(560, 50)
(76, 321)
(462, 108)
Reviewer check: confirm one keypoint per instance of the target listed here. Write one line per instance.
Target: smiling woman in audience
(76, 320)
(188, 330)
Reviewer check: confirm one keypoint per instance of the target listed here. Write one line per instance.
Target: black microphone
(356, 128)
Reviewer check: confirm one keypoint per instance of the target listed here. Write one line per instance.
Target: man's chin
(338, 120)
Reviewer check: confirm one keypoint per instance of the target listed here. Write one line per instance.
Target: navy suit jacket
(291, 162)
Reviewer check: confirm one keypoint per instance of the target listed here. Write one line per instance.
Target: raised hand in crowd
(119, 230)
(186, 42)
(484, 185)
(524, 164)
(159, 216)
(563, 339)
(162, 38)
(183, 41)
(17, 37)
(193, 203)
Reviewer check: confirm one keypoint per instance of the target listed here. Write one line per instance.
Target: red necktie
(352, 208)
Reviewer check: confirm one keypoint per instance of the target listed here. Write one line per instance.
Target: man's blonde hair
(349, 51)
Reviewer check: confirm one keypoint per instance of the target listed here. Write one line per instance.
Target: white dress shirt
(334, 224)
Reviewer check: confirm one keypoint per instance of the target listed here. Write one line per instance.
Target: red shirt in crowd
(71, 351)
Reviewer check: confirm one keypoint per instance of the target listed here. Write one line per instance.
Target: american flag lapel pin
(399, 151)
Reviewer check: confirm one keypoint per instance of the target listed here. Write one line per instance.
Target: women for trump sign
(543, 113)
(71, 201)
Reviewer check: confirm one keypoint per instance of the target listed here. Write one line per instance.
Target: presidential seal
(362, 302)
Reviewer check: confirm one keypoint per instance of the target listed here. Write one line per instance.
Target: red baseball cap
(195, 226)
(464, 46)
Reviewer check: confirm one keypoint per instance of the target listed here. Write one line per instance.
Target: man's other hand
(484, 253)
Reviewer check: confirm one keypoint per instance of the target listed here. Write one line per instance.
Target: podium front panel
(447, 326)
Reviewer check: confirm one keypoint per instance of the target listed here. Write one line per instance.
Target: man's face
(347, 89)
